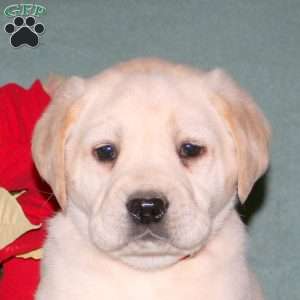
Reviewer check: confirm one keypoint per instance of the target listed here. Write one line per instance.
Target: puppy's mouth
(149, 244)
(149, 250)
(150, 236)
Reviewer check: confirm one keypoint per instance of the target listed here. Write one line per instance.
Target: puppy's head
(147, 156)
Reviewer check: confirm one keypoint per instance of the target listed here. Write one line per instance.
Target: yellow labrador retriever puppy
(147, 160)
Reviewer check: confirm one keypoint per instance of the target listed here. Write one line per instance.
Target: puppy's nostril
(147, 210)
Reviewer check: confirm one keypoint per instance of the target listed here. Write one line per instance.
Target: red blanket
(19, 111)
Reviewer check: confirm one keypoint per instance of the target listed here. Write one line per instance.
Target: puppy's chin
(149, 254)
(150, 262)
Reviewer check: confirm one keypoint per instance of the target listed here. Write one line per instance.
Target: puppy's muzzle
(147, 208)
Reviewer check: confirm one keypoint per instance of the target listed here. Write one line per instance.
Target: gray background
(257, 41)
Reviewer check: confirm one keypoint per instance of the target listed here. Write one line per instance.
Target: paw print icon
(24, 32)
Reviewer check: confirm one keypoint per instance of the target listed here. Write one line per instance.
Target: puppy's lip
(149, 235)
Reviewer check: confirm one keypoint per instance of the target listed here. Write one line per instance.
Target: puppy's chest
(91, 285)
(93, 289)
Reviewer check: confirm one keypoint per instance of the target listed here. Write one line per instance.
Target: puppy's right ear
(53, 83)
(52, 130)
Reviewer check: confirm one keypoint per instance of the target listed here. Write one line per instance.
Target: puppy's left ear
(52, 130)
(248, 126)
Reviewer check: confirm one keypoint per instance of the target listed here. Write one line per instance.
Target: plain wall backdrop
(258, 42)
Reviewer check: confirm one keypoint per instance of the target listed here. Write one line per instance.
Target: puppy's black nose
(147, 209)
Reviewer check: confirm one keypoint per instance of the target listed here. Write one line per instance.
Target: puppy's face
(151, 166)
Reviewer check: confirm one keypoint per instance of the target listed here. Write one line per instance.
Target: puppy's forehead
(139, 97)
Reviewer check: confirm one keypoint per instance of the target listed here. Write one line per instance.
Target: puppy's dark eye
(106, 152)
(189, 150)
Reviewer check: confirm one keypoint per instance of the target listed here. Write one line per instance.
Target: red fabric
(19, 110)
(27, 242)
(21, 277)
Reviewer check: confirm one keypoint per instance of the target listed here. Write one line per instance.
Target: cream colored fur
(148, 108)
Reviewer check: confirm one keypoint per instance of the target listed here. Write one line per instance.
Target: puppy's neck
(79, 220)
